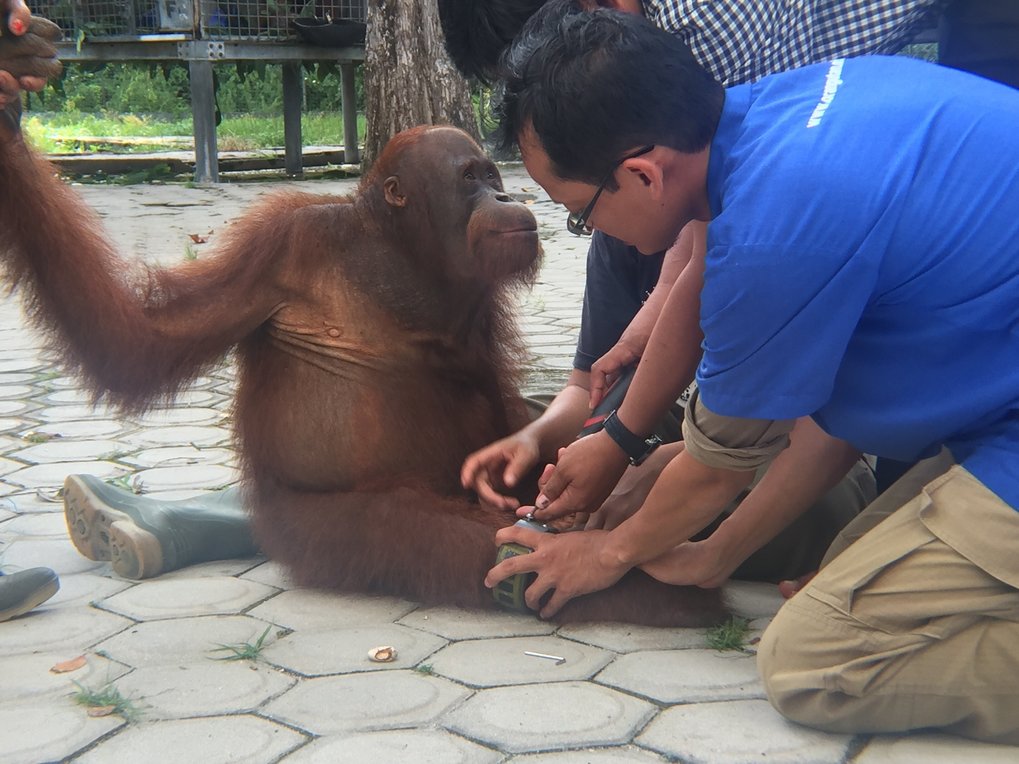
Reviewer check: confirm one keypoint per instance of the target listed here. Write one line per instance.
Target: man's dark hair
(478, 31)
(594, 85)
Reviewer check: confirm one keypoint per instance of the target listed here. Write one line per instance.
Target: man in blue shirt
(837, 284)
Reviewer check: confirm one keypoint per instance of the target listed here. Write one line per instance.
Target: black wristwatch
(636, 448)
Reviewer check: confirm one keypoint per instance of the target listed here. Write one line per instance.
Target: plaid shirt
(744, 40)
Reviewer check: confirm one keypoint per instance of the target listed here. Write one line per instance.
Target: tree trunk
(408, 78)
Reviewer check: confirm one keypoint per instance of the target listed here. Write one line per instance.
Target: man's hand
(568, 565)
(498, 467)
(583, 478)
(27, 55)
(607, 369)
(693, 563)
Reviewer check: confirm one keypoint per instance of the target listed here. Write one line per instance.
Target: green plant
(242, 651)
(424, 668)
(730, 635)
(105, 700)
(189, 252)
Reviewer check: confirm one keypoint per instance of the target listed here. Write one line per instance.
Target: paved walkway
(461, 688)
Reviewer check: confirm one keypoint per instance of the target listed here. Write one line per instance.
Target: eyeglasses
(577, 223)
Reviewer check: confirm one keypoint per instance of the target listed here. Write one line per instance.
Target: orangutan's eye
(468, 175)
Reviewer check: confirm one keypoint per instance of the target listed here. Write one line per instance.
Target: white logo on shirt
(831, 83)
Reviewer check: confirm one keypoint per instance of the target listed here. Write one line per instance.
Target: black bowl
(336, 33)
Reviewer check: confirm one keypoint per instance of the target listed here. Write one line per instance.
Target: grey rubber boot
(24, 590)
(145, 537)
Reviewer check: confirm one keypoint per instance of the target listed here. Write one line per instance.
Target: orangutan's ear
(394, 196)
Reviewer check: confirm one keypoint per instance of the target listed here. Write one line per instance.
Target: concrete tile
(271, 574)
(197, 435)
(87, 428)
(934, 748)
(13, 392)
(48, 730)
(10, 467)
(551, 716)
(28, 676)
(66, 450)
(627, 638)
(626, 754)
(751, 599)
(180, 416)
(495, 662)
(737, 732)
(178, 598)
(208, 476)
(83, 589)
(418, 746)
(174, 456)
(12, 408)
(37, 525)
(52, 475)
(58, 629)
(73, 412)
(234, 739)
(56, 553)
(313, 609)
(202, 689)
(685, 676)
(457, 623)
(365, 702)
(344, 650)
(213, 569)
(181, 641)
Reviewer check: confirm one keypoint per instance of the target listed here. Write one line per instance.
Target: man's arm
(797, 478)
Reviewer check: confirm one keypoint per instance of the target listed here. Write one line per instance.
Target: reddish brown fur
(375, 353)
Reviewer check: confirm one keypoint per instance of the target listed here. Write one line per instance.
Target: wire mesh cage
(112, 20)
(270, 19)
(116, 19)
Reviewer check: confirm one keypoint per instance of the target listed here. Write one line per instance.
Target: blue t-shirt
(863, 260)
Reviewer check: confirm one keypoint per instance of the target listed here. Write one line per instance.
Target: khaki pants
(913, 621)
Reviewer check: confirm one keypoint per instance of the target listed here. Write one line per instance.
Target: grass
(70, 132)
(243, 651)
(731, 635)
(105, 700)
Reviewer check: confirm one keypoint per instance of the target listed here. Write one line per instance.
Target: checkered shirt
(744, 40)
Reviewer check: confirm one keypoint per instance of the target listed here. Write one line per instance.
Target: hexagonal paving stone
(56, 553)
(178, 416)
(206, 689)
(73, 412)
(11, 392)
(174, 456)
(627, 638)
(87, 428)
(29, 676)
(83, 589)
(48, 731)
(344, 650)
(198, 435)
(183, 641)
(271, 574)
(457, 623)
(364, 702)
(68, 629)
(934, 748)
(10, 467)
(685, 676)
(66, 450)
(625, 754)
(417, 746)
(751, 599)
(740, 730)
(179, 598)
(494, 662)
(188, 476)
(237, 739)
(37, 524)
(53, 475)
(547, 717)
(231, 568)
(314, 609)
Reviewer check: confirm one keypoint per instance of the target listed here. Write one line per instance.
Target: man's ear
(394, 195)
(647, 171)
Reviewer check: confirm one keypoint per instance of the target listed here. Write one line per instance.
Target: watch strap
(636, 448)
